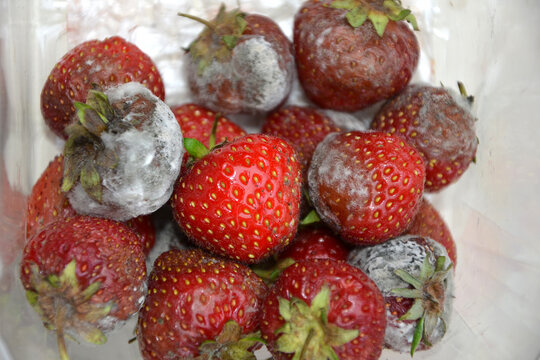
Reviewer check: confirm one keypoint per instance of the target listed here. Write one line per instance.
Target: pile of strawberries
(310, 239)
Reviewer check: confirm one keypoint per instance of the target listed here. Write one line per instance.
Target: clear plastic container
(493, 211)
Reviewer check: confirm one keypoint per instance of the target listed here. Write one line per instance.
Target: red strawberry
(366, 185)
(302, 127)
(438, 123)
(83, 275)
(324, 309)
(144, 228)
(413, 274)
(240, 63)
(47, 203)
(315, 243)
(347, 63)
(241, 200)
(104, 63)
(429, 223)
(197, 121)
(198, 304)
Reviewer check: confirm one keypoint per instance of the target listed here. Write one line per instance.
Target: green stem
(198, 19)
(212, 140)
(60, 314)
(306, 344)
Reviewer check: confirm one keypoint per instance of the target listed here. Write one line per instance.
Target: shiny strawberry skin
(109, 62)
(196, 123)
(355, 303)
(346, 68)
(191, 295)
(242, 199)
(429, 223)
(47, 203)
(302, 127)
(366, 185)
(315, 242)
(144, 228)
(105, 251)
(439, 127)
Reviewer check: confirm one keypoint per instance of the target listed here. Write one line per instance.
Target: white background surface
(493, 211)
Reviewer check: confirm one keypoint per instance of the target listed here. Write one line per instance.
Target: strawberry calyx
(63, 305)
(311, 218)
(463, 92)
(84, 151)
(379, 12)
(307, 333)
(428, 292)
(219, 37)
(269, 272)
(196, 149)
(230, 344)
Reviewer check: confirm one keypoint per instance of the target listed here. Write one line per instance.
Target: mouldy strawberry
(240, 63)
(366, 185)
(351, 54)
(413, 274)
(123, 155)
(84, 276)
(110, 62)
(438, 122)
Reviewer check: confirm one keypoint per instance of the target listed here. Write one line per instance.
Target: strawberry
(197, 122)
(104, 63)
(347, 63)
(429, 223)
(366, 185)
(413, 274)
(324, 309)
(311, 242)
(315, 242)
(241, 200)
(302, 127)
(240, 63)
(439, 124)
(123, 155)
(198, 305)
(84, 275)
(143, 227)
(47, 204)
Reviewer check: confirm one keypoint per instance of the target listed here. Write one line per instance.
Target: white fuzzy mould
(254, 74)
(345, 120)
(149, 161)
(454, 144)
(379, 263)
(328, 167)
